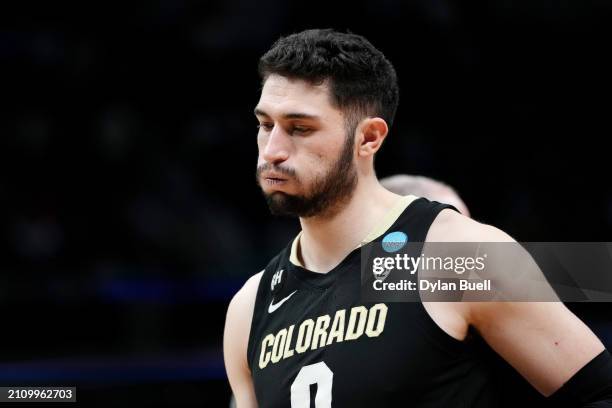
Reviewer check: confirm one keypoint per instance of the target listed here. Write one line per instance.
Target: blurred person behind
(434, 190)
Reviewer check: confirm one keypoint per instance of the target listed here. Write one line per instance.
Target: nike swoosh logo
(273, 306)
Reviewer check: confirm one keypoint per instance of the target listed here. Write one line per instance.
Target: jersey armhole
(437, 334)
(441, 337)
(256, 305)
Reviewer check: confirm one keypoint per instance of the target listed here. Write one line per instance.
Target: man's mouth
(275, 180)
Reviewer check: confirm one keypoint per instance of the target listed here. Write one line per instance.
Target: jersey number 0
(318, 373)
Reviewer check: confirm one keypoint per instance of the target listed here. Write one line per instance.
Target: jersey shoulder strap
(417, 218)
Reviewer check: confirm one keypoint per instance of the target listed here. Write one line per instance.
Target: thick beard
(328, 195)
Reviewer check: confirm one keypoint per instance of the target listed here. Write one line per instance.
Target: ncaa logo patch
(394, 241)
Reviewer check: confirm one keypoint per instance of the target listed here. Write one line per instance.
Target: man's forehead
(280, 95)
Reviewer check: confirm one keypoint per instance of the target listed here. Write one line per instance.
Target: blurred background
(129, 209)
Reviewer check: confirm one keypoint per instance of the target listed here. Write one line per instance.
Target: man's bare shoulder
(451, 226)
(244, 300)
(239, 317)
(236, 340)
(238, 327)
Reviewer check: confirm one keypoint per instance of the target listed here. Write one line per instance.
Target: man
(420, 186)
(298, 332)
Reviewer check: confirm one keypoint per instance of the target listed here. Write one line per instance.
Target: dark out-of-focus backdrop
(129, 211)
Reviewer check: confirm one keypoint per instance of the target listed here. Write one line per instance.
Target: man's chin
(283, 204)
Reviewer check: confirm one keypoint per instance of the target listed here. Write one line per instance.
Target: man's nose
(277, 147)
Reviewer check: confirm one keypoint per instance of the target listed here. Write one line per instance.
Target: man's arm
(543, 341)
(236, 340)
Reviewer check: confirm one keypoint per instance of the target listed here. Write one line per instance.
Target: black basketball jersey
(314, 343)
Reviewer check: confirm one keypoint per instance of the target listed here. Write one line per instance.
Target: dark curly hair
(362, 81)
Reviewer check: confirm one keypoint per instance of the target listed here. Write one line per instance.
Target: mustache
(285, 171)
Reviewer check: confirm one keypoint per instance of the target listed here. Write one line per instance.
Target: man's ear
(371, 133)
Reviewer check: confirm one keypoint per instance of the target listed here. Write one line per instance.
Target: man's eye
(300, 129)
(265, 126)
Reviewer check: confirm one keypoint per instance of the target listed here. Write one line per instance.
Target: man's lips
(273, 181)
(273, 176)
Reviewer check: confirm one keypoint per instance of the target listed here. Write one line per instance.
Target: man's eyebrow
(259, 112)
(289, 115)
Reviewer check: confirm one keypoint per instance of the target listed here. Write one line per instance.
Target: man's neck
(326, 240)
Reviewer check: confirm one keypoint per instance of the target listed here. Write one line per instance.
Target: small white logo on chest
(273, 306)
